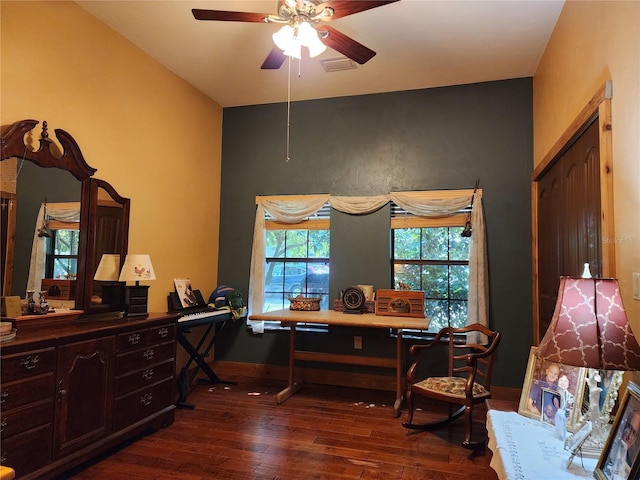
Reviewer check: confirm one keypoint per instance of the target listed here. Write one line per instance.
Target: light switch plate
(636, 286)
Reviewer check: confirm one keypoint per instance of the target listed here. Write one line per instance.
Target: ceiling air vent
(337, 64)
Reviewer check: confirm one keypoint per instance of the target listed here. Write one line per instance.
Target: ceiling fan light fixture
(284, 37)
(316, 47)
(294, 49)
(306, 34)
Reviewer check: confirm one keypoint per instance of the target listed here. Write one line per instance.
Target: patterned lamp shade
(137, 267)
(589, 327)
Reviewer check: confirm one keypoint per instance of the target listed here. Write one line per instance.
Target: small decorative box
(369, 306)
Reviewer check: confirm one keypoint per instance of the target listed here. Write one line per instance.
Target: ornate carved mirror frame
(99, 233)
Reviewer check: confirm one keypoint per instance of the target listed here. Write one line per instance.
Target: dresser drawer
(23, 392)
(144, 357)
(27, 451)
(20, 365)
(139, 378)
(141, 338)
(162, 333)
(132, 340)
(142, 403)
(23, 419)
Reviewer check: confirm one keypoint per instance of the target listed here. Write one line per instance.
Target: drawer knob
(148, 354)
(163, 332)
(3, 395)
(134, 338)
(30, 362)
(148, 374)
(146, 399)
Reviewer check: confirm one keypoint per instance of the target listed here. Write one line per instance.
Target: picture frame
(620, 457)
(536, 389)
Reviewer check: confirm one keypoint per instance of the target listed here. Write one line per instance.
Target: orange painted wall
(593, 42)
(154, 137)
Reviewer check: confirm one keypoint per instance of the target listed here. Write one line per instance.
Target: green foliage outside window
(436, 260)
(297, 264)
(62, 254)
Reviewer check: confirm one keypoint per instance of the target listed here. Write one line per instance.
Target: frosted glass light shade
(283, 37)
(316, 47)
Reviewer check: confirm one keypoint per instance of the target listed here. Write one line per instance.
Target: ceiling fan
(303, 22)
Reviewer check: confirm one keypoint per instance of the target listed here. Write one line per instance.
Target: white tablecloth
(525, 449)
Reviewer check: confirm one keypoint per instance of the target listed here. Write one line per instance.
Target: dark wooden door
(84, 393)
(569, 220)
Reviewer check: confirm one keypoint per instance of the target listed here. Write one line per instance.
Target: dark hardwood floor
(238, 432)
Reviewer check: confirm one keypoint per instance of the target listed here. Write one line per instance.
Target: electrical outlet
(357, 343)
(636, 286)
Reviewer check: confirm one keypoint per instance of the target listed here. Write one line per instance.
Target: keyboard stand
(198, 355)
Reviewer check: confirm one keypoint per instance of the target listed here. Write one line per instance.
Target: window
(297, 260)
(62, 254)
(430, 254)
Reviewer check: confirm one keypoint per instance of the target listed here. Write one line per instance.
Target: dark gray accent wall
(441, 138)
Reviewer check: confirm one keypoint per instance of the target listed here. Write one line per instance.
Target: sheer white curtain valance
(64, 212)
(294, 209)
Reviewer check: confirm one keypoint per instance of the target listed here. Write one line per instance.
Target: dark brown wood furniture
(73, 386)
(331, 317)
(467, 381)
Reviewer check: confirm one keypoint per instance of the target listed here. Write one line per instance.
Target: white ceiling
(419, 44)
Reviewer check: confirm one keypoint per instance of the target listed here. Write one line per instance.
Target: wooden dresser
(74, 387)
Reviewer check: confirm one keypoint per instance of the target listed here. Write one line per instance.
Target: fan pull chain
(288, 110)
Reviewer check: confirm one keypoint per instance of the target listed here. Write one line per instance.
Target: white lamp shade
(108, 268)
(137, 267)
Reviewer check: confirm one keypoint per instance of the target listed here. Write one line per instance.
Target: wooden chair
(468, 379)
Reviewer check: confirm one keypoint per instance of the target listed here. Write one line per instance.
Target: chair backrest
(473, 359)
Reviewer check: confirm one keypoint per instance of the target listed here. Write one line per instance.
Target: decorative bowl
(5, 328)
(309, 304)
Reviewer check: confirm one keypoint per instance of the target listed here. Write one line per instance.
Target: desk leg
(292, 386)
(397, 406)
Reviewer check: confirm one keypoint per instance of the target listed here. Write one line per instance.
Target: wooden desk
(367, 320)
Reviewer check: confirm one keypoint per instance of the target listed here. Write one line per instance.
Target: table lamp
(136, 267)
(589, 328)
(108, 272)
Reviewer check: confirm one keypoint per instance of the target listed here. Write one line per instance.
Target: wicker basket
(309, 304)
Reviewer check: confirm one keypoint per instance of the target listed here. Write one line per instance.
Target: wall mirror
(48, 195)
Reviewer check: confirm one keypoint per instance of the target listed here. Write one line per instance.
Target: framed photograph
(549, 386)
(619, 459)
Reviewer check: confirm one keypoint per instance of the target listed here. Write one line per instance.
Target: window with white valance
(60, 216)
(295, 208)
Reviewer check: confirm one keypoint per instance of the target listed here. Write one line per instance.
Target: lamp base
(135, 300)
(112, 294)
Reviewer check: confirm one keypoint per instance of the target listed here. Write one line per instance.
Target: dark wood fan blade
(345, 45)
(274, 60)
(342, 8)
(225, 16)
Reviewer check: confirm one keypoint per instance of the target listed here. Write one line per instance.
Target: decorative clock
(353, 300)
